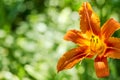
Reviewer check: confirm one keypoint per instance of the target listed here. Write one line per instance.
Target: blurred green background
(31, 38)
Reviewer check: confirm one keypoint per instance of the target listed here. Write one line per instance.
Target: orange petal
(89, 21)
(113, 50)
(113, 42)
(76, 37)
(113, 53)
(109, 28)
(72, 57)
(101, 67)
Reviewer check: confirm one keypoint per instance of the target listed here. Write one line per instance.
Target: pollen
(97, 46)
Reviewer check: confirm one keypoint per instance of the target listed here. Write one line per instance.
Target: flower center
(97, 46)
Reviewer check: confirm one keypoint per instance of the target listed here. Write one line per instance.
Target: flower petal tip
(101, 72)
(101, 67)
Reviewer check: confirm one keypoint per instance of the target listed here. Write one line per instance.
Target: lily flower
(92, 41)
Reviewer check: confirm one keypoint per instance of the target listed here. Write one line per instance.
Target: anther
(93, 40)
(96, 40)
(92, 36)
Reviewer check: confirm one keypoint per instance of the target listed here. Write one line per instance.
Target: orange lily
(92, 41)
